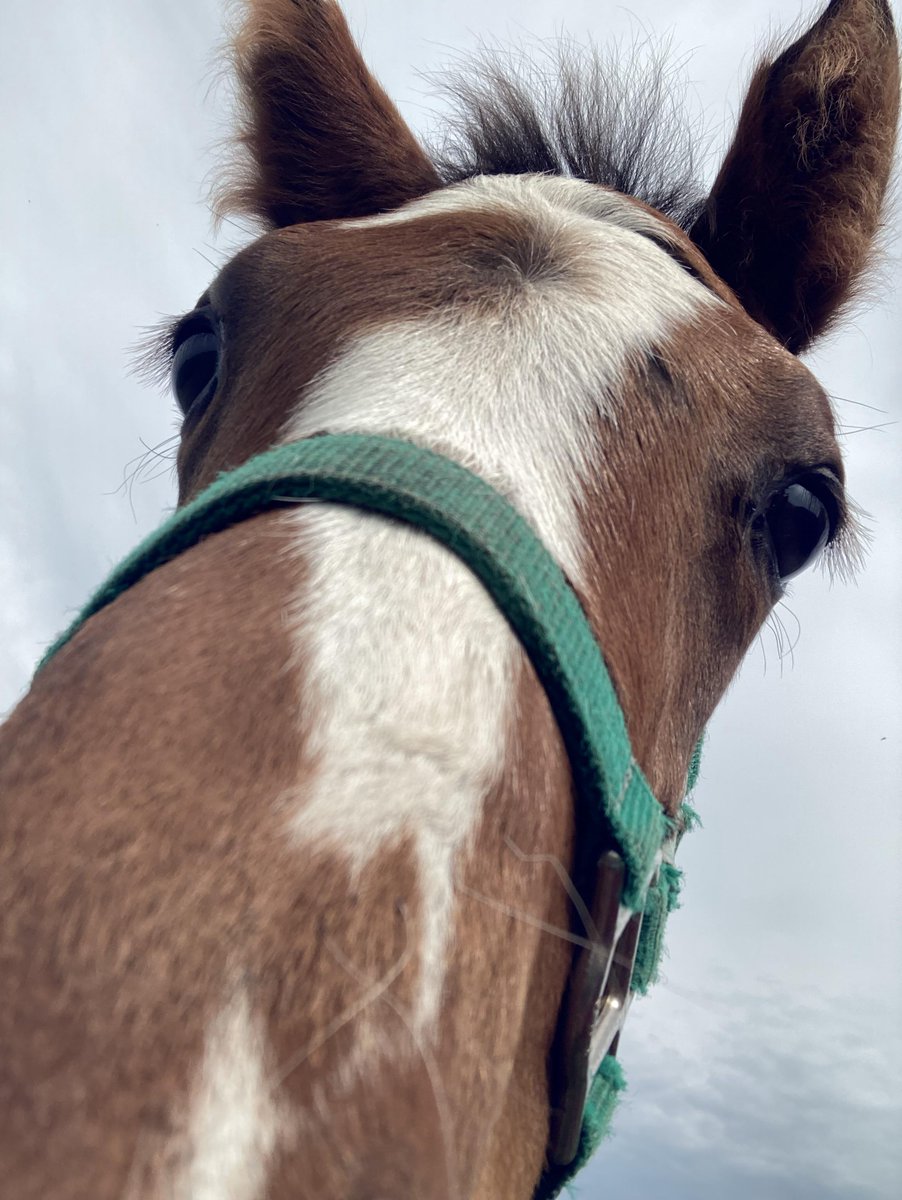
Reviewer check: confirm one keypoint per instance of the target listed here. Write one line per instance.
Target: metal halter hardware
(624, 840)
(596, 1005)
(598, 1000)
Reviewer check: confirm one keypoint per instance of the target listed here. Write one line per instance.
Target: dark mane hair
(616, 122)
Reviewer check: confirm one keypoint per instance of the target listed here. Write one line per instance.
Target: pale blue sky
(766, 1064)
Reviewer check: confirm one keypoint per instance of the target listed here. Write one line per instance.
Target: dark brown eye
(794, 525)
(195, 360)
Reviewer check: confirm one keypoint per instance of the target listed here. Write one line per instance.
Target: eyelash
(151, 356)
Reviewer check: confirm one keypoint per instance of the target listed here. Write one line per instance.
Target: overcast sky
(767, 1063)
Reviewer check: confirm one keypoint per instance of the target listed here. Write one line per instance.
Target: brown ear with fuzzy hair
(322, 139)
(794, 212)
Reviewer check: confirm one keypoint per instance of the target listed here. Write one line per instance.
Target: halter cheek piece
(623, 870)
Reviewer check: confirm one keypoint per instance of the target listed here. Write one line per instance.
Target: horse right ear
(322, 139)
(793, 214)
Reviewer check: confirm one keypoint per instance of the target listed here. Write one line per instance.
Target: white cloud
(757, 1094)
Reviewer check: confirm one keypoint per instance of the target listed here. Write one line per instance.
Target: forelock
(618, 121)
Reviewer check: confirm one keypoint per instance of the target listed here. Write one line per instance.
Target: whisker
(370, 996)
(858, 403)
(848, 430)
(207, 260)
(786, 648)
(164, 451)
(798, 636)
(787, 642)
(566, 882)
(246, 229)
(157, 451)
(429, 1062)
(759, 639)
(157, 475)
(525, 917)
(776, 630)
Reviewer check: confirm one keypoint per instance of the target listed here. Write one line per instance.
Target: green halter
(624, 841)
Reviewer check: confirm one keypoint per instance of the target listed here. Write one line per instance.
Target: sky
(766, 1062)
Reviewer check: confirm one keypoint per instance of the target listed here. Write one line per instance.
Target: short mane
(611, 121)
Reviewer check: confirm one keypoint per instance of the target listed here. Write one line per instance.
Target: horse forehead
(570, 267)
(613, 254)
(592, 252)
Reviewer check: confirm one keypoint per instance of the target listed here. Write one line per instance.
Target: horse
(288, 825)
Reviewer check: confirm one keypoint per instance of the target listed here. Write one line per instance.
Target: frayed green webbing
(601, 1104)
(663, 897)
(661, 900)
(615, 804)
(695, 764)
(603, 1096)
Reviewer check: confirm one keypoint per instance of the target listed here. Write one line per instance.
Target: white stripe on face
(408, 669)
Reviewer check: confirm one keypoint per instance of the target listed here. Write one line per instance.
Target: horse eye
(195, 360)
(796, 523)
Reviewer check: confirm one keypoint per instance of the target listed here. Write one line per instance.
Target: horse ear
(795, 209)
(322, 139)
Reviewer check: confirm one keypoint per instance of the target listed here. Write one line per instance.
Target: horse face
(631, 383)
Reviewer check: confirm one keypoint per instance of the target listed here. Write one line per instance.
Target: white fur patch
(408, 667)
(408, 672)
(528, 193)
(233, 1122)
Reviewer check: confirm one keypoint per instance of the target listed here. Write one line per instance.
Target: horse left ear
(793, 214)
(323, 140)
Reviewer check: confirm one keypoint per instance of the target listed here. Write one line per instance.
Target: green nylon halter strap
(461, 510)
(615, 805)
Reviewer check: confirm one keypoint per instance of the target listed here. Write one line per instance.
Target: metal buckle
(595, 1007)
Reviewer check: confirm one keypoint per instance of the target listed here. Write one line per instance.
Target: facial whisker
(848, 430)
(164, 451)
(370, 996)
(526, 918)
(566, 882)
(857, 403)
(433, 1074)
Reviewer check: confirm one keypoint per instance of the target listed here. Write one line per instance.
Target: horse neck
(335, 843)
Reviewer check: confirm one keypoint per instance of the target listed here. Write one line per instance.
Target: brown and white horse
(280, 826)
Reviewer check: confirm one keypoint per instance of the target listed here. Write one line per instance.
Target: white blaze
(408, 665)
